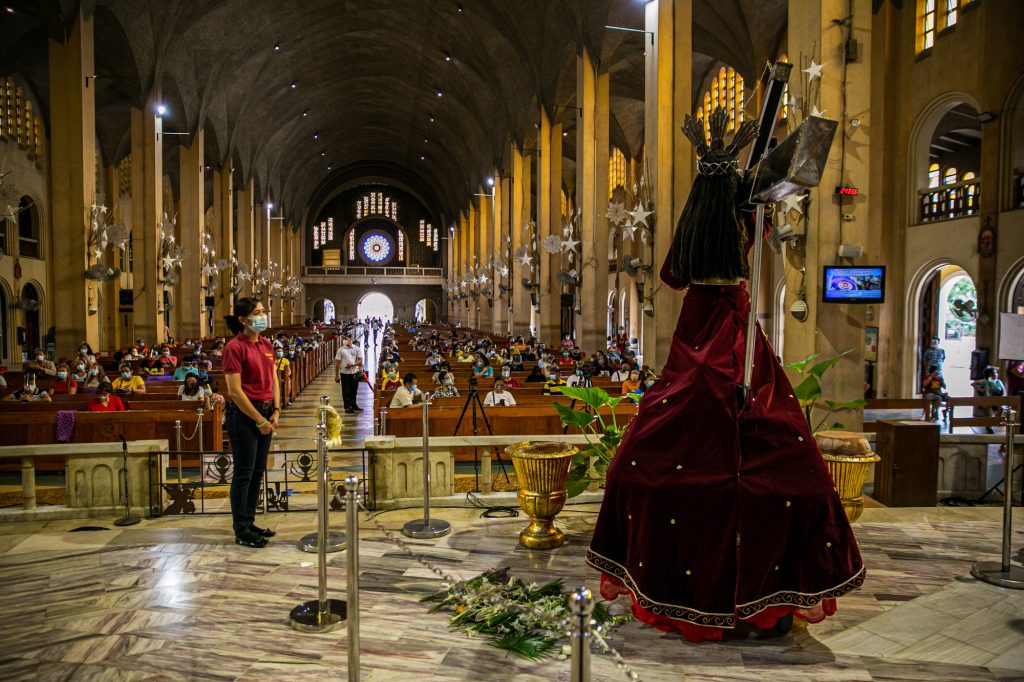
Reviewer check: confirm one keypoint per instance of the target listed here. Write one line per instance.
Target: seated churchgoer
(168, 361)
(407, 394)
(390, 381)
(191, 390)
(632, 383)
(510, 381)
(30, 392)
(41, 365)
(447, 388)
(483, 369)
(933, 388)
(63, 384)
(553, 386)
(536, 375)
(103, 401)
(127, 382)
(500, 396)
(186, 369)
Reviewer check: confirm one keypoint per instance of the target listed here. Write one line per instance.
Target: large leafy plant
(590, 464)
(810, 394)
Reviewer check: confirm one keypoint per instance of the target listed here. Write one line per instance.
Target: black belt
(262, 404)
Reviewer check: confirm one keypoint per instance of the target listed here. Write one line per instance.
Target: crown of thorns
(716, 158)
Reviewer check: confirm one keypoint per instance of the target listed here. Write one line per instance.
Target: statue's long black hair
(710, 241)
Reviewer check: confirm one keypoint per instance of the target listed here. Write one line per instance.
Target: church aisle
(171, 598)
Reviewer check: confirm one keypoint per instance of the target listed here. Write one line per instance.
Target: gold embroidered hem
(722, 620)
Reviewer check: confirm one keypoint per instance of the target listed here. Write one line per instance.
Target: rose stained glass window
(376, 248)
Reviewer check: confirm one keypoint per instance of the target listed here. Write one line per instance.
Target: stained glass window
(377, 203)
(928, 24)
(435, 239)
(616, 170)
(316, 237)
(423, 229)
(352, 245)
(18, 122)
(933, 175)
(330, 229)
(951, 8)
(401, 245)
(376, 248)
(726, 91)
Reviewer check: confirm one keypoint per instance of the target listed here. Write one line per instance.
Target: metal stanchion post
(177, 440)
(199, 428)
(1003, 573)
(426, 527)
(352, 591)
(383, 421)
(335, 539)
(582, 604)
(321, 614)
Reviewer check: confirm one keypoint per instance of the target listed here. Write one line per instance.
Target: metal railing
(948, 202)
(363, 271)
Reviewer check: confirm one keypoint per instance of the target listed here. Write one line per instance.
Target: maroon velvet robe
(714, 513)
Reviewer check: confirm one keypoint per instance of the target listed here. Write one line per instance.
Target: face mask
(392, 375)
(93, 372)
(506, 374)
(291, 353)
(258, 323)
(280, 354)
(479, 364)
(83, 350)
(166, 353)
(448, 382)
(650, 382)
(202, 374)
(39, 358)
(553, 377)
(79, 367)
(126, 375)
(62, 375)
(413, 388)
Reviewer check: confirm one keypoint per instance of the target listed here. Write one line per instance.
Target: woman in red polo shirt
(251, 416)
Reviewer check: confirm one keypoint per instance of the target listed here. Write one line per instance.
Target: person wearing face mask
(554, 384)
(348, 371)
(510, 381)
(390, 380)
(632, 383)
(128, 382)
(187, 368)
(30, 392)
(284, 374)
(63, 384)
(168, 361)
(499, 397)
(565, 359)
(251, 417)
(103, 401)
(483, 369)
(78, 371)
(408, 394)
(515, 363)
(41, 365)
(191, 390)
(447, 388)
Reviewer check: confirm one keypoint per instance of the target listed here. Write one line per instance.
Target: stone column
(669, 66)
(592, 198)
(473, 257)
(502, 207)
(192, 314)
(520, 215)
(224, 239)
(549, 214)
(109, 329)
(245, 219)
(486, 252)
(73, 184)
(832, 328)
(147, 215)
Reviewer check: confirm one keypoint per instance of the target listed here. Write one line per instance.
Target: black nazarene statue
(719, 508)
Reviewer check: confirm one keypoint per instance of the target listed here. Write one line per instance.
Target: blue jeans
(249, 449)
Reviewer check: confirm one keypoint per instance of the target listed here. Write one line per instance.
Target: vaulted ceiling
(298, 94)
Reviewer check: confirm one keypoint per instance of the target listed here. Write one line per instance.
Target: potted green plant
(847, 455)
(590, 464)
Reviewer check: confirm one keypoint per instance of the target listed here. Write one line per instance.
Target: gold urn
(542, 469)
(849, 459)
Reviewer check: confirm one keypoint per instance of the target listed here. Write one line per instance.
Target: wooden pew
(998, 402)
(903, 404)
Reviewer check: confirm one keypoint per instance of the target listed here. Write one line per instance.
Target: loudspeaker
(208, 301)
(125, 297)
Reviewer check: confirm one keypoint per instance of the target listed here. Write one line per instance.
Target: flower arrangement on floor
(526, 619)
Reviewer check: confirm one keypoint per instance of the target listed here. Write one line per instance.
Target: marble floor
(175, 599)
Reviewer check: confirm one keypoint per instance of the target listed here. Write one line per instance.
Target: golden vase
(542, 469)
(849, 459)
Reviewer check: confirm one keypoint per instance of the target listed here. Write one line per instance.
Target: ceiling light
(440, 94)
(270, 206)
(161, 109)
(323, 153)
(305, 113)
(316, 136)
(423, 158)
(426, 141)
(9, 9)
(277, 47)
(430, 118)
(490, 181)
(447, 56)
(295, 84)
(458, 6)
(328, 166)
(565, 134)
(207, 168)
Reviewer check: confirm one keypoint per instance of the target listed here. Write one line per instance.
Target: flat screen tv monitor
(864, 284)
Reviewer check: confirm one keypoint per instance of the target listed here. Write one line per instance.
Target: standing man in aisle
(348, 370)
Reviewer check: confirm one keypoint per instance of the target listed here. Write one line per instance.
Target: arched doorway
(375, 304)
(30, 303)
(947, 311)
(613, 300)
(426, 311)
(324, 310)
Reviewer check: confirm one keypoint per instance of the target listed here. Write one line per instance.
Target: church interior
(455, 313)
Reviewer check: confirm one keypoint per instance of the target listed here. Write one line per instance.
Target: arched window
(949, 176)
(435, 239)
(18, 121)
(970, 191)
(926, 23)
(616, 171)
(28, 228)
(377, 203)
(401, 245)
(352, 245)
(933, 175)
(726, 91)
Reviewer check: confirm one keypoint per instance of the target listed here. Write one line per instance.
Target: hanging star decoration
(794, 202)
(566, 230)
(503, 270)
(167, 262)
(617, 213)
(526, 260)
(638, 215)
(627, 231)
(814, 70)
(569, 245)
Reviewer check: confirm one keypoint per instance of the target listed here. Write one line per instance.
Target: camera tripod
(473, 399)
